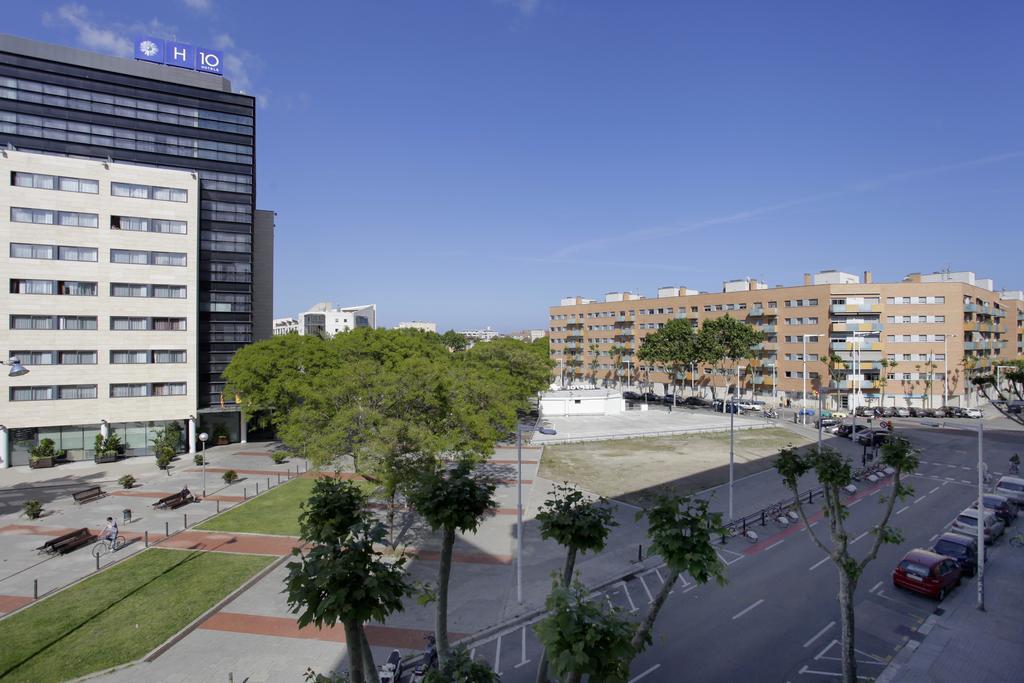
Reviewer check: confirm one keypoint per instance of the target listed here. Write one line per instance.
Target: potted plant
(198, 459)
(107, 449)
(220, 435)
(279, 457)
(126, 481)
(230, 477)
(33, 509)
(42, 455)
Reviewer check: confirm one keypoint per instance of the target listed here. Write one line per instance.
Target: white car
(973, 412)
(967, 523)
(1012, 488)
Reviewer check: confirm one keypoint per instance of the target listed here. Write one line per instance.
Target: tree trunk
(847, 653)
(391, 517)
(444, 571)
(355, 652)
(644, 630)
(567, 569)
(370, 667)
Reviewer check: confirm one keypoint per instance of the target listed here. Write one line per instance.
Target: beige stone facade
(100, 296)
(933, 330)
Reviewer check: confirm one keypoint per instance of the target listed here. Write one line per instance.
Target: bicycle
(105, 545)
(1017, 541)
(737, 530)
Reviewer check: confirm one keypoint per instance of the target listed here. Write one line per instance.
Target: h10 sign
(182, 55)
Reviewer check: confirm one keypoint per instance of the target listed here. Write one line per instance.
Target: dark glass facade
(60, 101)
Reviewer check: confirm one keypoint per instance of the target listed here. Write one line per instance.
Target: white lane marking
(625, 588)
(950, 465)
(807, 670)
(922, 497)
(497, 657)
(854, 502)
(934, 490)
(819, 563)
(523, 656)
(658, 572)
(688, 588)
(744, 611)
(472, 654)
(949, 479)
(649, 671)
(875, 587)
(819, 633)
(777, 543)
(650, 598)
(902, 509)
(966, 481)
(860, 537)
(963, 467)
(934, 536)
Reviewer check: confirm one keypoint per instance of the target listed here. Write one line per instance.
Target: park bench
(175, 500)
(86, 495)
(68, 542)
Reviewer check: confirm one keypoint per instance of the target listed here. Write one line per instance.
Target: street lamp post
(17, 370)
(202, 438)
(803, 401)
(732, 421)
(519, 506)
(981, 517)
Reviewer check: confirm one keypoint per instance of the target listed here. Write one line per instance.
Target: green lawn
(274, 512)
(119, 614)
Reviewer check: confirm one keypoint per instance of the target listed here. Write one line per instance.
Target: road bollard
(763, 521)
(145, 538)
(744, 526)
(186, 520)
(231, 677)
(257, 488)
(278, 477)
(218, 506)
(639, 552)
(810, 497)
(35, 589)
(167, 529)
(268, 483)
(244, 494)
(97, 563)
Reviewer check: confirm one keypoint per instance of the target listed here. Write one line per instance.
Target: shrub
(198, 459)
(45, 449)
(230, 477)
(279, 457)
(33, 509)
(126, 481)
(163, 460)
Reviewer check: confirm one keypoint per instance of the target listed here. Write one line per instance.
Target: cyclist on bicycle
(1015, 464)
(110, 532)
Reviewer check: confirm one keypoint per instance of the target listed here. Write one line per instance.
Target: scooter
(770, 414)
(391, 670)
(429, 660)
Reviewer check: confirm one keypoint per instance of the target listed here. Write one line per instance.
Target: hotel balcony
(850, 309)
(838, 326)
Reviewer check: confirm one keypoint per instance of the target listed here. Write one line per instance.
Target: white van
(1012, 488)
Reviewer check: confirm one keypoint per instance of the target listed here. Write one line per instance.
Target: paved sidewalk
(959, 644)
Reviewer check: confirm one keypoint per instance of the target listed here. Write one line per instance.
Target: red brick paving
(163, 494)
(31, 529)
(9, 603)
(219, 470)
(286, 627)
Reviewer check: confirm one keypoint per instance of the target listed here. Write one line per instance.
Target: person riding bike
(110, 532)
(1015, 464)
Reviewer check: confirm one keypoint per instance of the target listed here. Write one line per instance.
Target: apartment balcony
(762, 379)
(574, 323)
(983, 309)
(767, 329)
(623, 320)
(761, 312)
(575, 334)
(838, 326)
(975, 326)
(857, 384)
(984, 344)
(861, 345)
(572, 346)
(765, 346)
(624, 334)
(851, 309)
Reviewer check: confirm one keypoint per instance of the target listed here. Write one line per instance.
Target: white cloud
(115, 39)
(199, 5)
(525, 7)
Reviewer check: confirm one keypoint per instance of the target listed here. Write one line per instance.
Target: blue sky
(472, 161)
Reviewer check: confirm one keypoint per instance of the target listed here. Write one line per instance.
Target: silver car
(967, 523)
(1012, 488)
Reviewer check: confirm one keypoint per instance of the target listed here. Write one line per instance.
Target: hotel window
(51, 217)
(168, 194)
(168, 389)
(129, 357)
(50, 182)
(77, 358)
(129, 390)
(136, 224)
(129, 324)
(169, 357)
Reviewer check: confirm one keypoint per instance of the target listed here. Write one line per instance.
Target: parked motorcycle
(770, 414)
(391, 670)
(429, 660)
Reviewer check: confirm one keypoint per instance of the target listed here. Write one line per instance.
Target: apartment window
(126, 289)
(50, 393)
(76, 322)
(50, 252)
(129, 390)
(77, 358)
(168, 389)
(76, 288)
(167, 194)
(168, 324)
(33, 286)
(170, 291)
(169, 357)
(137, 224)
(51, 322)
(51, 217)
(74, 392)
(155, 258)
(35, 357)
(129, 357)
(89, 254)
(50, 182)
(129, 324)
(166, 258)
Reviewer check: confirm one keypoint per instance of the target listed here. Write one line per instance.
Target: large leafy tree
(726, 340)
(1002, 388)
(674, 345)
(454, 341)
(523, 369)
(343, 578)
(451, 500)
(834, 474)
(579, 523)
(883, 376)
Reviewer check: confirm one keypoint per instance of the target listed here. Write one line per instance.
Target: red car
(928, 573)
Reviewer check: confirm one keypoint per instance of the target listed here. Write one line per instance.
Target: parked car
(846, 431)
(873, 437)
(668, 399)
(696, 402)
(631, 396)
(1002, 506)
(864, 411)
(888, 412)
(963, 549)
(928, 573)
(974, 412)
(915, 411)
(902, 412)
(823, 422)
(967, 522)
(1012, 488)
(805, 411)
(650, 397)
(750, 404)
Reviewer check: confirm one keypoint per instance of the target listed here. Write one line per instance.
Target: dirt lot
(631, 469)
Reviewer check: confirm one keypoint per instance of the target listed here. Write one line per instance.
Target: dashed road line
(625, 589)
(819, 563)
(497, 657)
(919, 499)
(819, 633)
(966, 481)
(934, 536)
(860, 537)
(852, 503)
(876, 587)
(650, 598)
(744, 611)
(773, 545)
(934, 490)
(902, 509)
(649, 671)
(523, 656)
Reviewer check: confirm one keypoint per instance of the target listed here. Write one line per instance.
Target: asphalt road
(777, 619)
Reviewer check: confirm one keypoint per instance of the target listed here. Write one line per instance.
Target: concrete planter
(40, 463)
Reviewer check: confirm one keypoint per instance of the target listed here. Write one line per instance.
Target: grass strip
(119, 614)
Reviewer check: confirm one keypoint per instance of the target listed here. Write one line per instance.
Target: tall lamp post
(519, 506)
(17, 370)
(732, 431)
(202, 438)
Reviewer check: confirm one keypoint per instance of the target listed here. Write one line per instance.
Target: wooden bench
(86, 495)
(68, 542)
(175, 500)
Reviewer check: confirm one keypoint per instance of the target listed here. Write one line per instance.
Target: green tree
(674, 345)
(166, 442)
(682, 532)
(929, 379)
(595, 362)
(618, 352)
(726, 339)
(883, 376)
(450, 501)
(523, 369)
(579, 523)
(1004, 387)
(583, 637)
(342, 577)
(834, 474)
(454, 341)
(461, 668)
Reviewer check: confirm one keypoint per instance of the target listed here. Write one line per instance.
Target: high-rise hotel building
(135, 261)
(910, 343)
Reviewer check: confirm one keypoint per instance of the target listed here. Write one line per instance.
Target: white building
(286, 326)
(326, 319)
(562, 403)
(100, 303)
(418, 325)
(486, 334)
